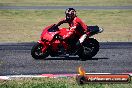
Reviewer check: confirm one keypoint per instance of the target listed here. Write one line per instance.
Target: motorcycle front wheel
(37, 53)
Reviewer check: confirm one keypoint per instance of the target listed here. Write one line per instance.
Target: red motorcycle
(54, 42)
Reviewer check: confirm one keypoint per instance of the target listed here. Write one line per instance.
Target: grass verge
(55, 83)
(27, 25)
(65, 2)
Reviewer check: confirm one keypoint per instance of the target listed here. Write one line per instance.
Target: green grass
(27, 25)
(55, 83)
(65, 2)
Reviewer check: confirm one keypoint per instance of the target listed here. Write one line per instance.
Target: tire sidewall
(87, 43)
(33, 50)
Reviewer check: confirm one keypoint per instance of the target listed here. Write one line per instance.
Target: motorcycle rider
(75, 24)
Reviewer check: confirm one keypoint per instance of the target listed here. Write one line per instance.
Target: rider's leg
(82, 38)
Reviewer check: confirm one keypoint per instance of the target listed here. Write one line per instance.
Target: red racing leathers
(76, 24)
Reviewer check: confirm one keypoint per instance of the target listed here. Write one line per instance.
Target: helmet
(70, 14)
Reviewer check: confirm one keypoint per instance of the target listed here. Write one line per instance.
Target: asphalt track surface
(15, 59)
(64, 7)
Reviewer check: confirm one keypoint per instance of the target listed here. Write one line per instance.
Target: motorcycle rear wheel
(37, 53)
(89, 49)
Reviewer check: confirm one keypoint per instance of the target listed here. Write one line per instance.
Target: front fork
(45, 45)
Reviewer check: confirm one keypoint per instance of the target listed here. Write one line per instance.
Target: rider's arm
(61, 22)
(72, 29)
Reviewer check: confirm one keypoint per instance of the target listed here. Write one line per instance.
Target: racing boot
(100, 30)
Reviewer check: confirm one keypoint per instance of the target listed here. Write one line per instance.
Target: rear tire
(37, 53)
(89, 49)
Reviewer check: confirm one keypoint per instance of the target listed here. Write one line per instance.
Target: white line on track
(10, 77)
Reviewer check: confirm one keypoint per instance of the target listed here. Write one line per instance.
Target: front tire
(37, 53)
(89, 49)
